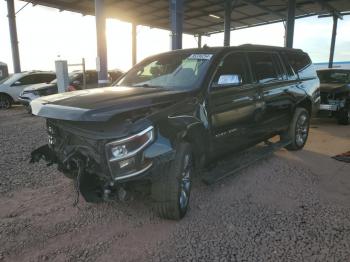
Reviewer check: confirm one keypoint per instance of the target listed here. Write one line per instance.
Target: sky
(46, 35)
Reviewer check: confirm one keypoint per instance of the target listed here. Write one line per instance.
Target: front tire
(5, 101)
(344, 117)
(171, 190)
(298, 130)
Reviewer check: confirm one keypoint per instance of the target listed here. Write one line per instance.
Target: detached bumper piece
(234, 163)
(43, 153)
(328, 107)
(345, 157)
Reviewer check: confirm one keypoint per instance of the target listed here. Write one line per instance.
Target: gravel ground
(294, 206)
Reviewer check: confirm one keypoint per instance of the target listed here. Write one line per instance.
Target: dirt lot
(294, 206)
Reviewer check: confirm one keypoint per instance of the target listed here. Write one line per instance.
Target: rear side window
(289, 70)
(28, 80)
(264, 67)
(91, 77)
(45, 78)
(232, 71)
(36, 79)
(301, 64)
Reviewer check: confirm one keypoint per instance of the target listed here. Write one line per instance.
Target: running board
(238, 161)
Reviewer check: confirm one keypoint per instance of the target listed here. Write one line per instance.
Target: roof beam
(240, 20)
(65, 6)
(268, 10)
(326, 5)
(260, 24)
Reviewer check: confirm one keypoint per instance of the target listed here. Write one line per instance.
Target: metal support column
(199, 41)
(13, 35)
(134, 43)
(101, 61)
(227, 22)
(290, 24)
(176, 19)
(334, 35)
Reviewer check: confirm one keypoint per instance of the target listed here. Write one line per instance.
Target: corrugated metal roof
(197, 19)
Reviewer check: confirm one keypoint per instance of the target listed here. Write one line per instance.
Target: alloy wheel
(185, 182)
(4, 102)
(302, 127)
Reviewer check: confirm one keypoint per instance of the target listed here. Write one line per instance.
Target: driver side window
(232, 71)
(26, 80)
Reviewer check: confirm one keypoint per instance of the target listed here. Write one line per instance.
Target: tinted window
(28, 80)
(289, 70)
(45, 78)
(232, 71)
(36, 79)
(91, 77)
(301, 64)
(263, 66)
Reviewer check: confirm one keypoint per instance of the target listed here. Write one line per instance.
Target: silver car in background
(12, 86)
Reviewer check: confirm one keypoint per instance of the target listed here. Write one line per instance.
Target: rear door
(270, 76)
(233, 102)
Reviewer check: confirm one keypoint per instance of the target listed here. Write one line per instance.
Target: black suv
(175, 112)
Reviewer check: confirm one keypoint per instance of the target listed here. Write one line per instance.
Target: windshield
(173, 71)
(334, 76)
(10, 79)
(72, 76)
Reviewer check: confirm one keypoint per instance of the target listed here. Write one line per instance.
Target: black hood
(334, 87)
(101, 104)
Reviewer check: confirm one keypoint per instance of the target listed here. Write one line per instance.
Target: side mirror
(228, 80)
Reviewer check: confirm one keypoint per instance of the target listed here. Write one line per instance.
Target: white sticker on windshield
(201, 56)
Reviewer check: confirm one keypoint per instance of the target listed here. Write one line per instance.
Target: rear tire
(344, 117)
(5, 101)
(171, 190)
(298, 130)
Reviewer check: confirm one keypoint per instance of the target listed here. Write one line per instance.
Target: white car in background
(12, 86)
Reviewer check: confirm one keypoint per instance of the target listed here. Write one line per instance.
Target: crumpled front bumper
(27, 98)
(148, 162)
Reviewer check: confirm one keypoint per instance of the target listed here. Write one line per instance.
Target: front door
(233, 103)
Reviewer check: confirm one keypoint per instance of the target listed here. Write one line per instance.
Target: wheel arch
(197, 136)
(305, 103)
(7, 95)
(188, 129)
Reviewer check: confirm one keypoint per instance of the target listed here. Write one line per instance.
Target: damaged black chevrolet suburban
(173, 113)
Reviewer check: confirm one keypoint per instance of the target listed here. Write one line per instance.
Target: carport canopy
(196, 17)
(202, 17)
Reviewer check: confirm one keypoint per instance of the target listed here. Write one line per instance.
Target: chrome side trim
(133, 174)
